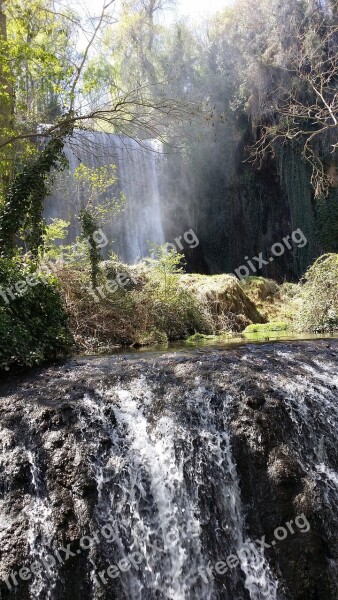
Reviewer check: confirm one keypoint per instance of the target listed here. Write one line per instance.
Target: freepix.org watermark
(121, 281)
(188, 238)
(256, 263)
(256, 549)
(60, 555)
(49, 267)
(108, 534)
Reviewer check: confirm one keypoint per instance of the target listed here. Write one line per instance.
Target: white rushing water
(150, 448)
(40, 537)
(138, 168)
(152, 483)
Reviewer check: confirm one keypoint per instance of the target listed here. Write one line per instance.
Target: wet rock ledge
(282, 408)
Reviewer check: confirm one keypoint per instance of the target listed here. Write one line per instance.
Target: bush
(174, 308)
(319, 297)
(152, 308)
(33, 324)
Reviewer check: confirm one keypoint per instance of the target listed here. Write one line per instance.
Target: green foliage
(99, 204)
(33, 325)
(175, 309)
(24, 204)
(36, 68)
(39, 49)
(145, 310)
(75, 255)
(56, 231)
(96, 186)
(319, 296)
(165, 267)
(180, 315)
(89, 226)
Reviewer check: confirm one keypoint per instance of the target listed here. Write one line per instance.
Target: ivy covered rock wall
(239, 211)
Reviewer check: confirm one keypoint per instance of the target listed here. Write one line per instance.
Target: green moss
(267, 327)
(226, 305)
(259, 288)
(199, 337)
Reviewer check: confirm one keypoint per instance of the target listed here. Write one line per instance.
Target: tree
(132, 111)
(6, 100)
(303, 105)
(116, 108)
(6, 92)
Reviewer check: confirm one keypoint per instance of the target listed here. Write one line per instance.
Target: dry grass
(141, 314)
(274, 302)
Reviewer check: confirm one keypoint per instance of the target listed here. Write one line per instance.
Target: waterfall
(154, 478)
(194, 462)
(40, 535)
(138, 170)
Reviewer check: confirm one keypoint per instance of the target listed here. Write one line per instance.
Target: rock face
(203, 475)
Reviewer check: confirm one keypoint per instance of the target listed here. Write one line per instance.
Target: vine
(89, 228)
(295, 178)
(23, 209)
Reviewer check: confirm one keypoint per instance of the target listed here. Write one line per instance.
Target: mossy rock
(229, 307)
(259, 289)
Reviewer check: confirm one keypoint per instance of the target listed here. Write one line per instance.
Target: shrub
(33, 325)
(176, 310)
(319, 296)
(152, 308)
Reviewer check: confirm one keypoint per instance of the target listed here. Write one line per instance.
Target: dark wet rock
(278, 404)
(255, 402)
(284, 468)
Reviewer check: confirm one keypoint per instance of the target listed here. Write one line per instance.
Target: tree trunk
(6, 105)
(6, 96)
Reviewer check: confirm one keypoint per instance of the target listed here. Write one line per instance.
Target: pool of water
(222, 342)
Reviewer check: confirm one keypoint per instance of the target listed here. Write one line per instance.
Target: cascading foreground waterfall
(138, 170)
(153, 460)
(198, 478)
(40, 535)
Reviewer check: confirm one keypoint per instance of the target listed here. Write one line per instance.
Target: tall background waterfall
(138, 169)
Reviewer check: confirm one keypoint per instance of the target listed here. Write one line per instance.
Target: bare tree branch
(306, 107)
(79, 69)
(133, 110)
